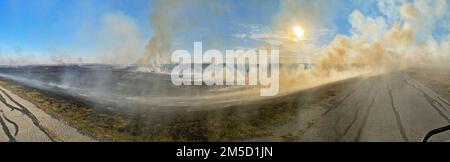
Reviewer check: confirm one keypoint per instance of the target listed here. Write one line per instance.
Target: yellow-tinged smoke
(157, 49)
(166, 21)
(373, 46)
(399, 39)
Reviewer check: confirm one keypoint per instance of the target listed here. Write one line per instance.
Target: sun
(299, 32)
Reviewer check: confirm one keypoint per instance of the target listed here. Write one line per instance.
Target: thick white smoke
(166, 20)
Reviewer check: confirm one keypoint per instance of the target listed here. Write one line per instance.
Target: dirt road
(21, 121)
(392, 107)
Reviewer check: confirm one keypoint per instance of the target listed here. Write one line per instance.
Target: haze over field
(340, 39)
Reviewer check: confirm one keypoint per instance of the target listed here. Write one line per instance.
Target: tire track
(366, 117)
(397, 116)
(439, 103)
(431, 101)
(16, 127)
(355, 116)
(26, 112)
(6, 130)
(444, 101)
(13, 108)
(339, 103)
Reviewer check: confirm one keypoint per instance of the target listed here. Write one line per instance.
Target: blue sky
(35, 26)
(38, 24)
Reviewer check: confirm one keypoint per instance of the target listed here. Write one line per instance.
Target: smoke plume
(402, 38)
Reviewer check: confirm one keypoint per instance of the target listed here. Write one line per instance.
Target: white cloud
(367, 28)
